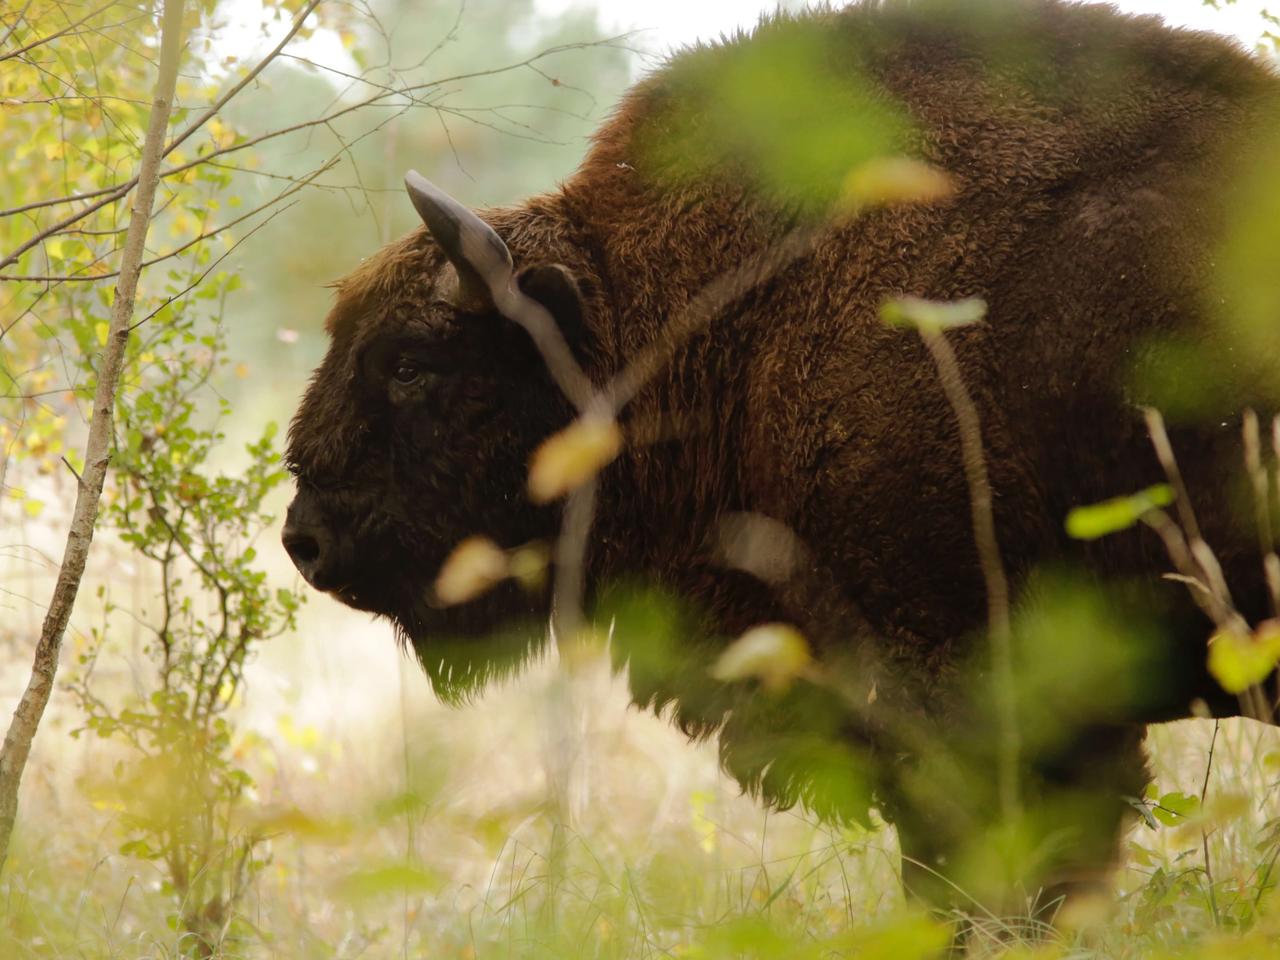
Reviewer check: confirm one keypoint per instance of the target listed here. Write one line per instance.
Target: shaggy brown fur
(1088, 150)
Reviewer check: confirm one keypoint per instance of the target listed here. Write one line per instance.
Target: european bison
(1088, 154)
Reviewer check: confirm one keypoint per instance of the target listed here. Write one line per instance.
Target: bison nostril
(303, 548)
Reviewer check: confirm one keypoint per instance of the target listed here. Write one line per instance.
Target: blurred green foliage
(1116, 514)
(1233, 364)
(789, 112)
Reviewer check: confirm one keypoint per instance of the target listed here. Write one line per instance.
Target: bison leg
(1086, 790)
(959, 857)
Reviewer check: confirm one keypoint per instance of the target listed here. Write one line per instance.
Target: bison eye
(405, 373)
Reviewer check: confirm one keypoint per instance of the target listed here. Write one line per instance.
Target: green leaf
(932, 316)
(904, 938)
(1238, 662)
(139, 849)
(774, 653)
(1119, 513)
(1174, 808)
(391, 880)
(791, 112)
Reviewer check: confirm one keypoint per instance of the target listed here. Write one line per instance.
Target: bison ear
(479, 256)
(555, 287)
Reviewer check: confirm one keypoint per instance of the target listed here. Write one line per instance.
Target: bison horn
(477, 253)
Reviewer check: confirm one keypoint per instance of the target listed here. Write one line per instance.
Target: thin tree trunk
(26, 718)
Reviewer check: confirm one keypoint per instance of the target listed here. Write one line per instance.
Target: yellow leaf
(101, 330)
(933, 316)
(242, 370)
(887, 180)
(528, 565)
(304, 738)
(55, 248)
(299, 824)
(473, 568)
(32, 508)
(1238, 662)
(183, 223)
(773, 653)
(703, 825)
(573, 456)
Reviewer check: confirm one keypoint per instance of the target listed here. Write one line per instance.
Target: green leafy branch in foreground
(179, 789)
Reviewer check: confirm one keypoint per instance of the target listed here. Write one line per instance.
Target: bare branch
(1189, 573)
(379, 99)
(61, 225)
(21, 15)
(1194, 558)
(570, 560)
(1261, 481)
(1164, 451)
(248, 78)
(984, 533)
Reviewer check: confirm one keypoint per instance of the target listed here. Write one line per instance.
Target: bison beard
(1085, 212)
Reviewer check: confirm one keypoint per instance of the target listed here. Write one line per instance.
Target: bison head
(416, 431)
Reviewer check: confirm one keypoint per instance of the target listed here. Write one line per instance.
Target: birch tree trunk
(26, 718)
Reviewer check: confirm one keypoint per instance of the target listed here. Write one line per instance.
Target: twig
(74, 472)
(1164, 452)
(609, 401)
(1262, 507)
(1265, 883)
(18, 18)
(213, 266)
(54, 36)
(1204, 835)
(248, 78)
(570, 559)
(997, 585)
(1261, 479)
(708, 302)
(1192, 556)
(200, 238)
(26, 718)
(1175, 545)
(114, 194)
